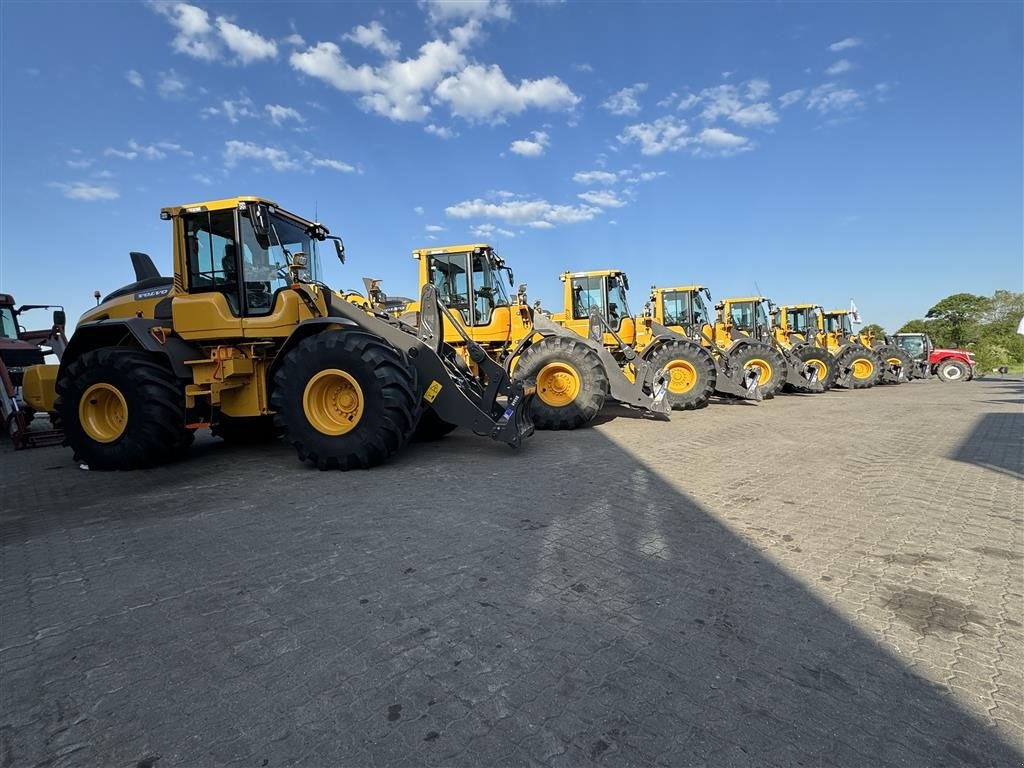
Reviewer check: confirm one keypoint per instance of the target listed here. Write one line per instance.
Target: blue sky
(817, 152)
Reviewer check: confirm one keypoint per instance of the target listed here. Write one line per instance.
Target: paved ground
(829, 580)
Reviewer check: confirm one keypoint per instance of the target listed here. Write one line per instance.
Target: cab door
(210, 307)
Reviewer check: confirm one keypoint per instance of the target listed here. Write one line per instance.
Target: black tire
(244, 429)
(390, 399)
(854, 357)
(589, 370)
(756, 355)
(893, 355)
(820, 358)
(154, 428)
(431, 426)
(952, 370)
(694, 384)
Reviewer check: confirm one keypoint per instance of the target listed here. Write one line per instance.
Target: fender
(132, 332)
(303, 330)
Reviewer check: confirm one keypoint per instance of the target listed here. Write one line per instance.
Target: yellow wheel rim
(894, 361)
(103, 413)
(819, 366)
(333, 402)
(763, 368)
(863, 368)
(682, 376)
(558, 384)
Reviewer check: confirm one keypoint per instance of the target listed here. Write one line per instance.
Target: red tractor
(22, 350)
(947, 364)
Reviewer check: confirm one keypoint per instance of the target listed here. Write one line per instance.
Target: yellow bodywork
(39, 386)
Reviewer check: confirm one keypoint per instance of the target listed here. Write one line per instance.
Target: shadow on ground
(995, 442)
(464, 605)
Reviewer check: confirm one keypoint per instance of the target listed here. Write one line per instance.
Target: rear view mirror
(339, 249)
(258, 217)
(59, 318)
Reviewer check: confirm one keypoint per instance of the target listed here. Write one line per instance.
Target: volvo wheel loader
(245, 332)
(797, 328)
(897, 365)
(681, 311)
(577, 364)
(858, 366)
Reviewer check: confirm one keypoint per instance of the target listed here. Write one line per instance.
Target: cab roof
(737, 299)
(439, 249)
(230, 204)
(679, 288)
(592, 273)
(785, 307)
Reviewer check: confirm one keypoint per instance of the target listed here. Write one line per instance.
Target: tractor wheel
(865, 365)
(431, 426)
(769, 364)
(121, 409)
(819, 359)
(244, 429)
(571, 382)
(953, 370)
(892, 355)
(345, 400)
(689, 372)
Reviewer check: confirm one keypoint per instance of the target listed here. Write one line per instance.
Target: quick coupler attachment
(659, 405)
(516, 423)
(845, 376)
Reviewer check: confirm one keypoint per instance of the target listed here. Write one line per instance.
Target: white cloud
(668, 100)
(664, 134)
(479, 92)
(374, 36)
(111, 152)
(202, 178)
(443, 11)
(843, 65)
(757, 89)
(595, 177)
(755, 114)
(829, 97)
(195, 33)
(723, 141)
(624, 102)
(135, 79)
(434, 228)
(583, 67)
(644, 176)
(845, 44)
(279, 114)
(603, 198)
(80, 190)
(531, 147)
(172, 85)
(78, 164)
(488, 231)
(533, 212)
(278, 159)
(248, 46)
(232, 109)
(157, 151)
(418, 210)
(688, 101)
(334, 165)
(791, 97)
(441, 131)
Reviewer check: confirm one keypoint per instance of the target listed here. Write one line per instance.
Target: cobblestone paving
(830, 580)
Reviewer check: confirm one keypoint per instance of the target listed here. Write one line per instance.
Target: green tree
(914, 326)
(876, 329)
(961, 314)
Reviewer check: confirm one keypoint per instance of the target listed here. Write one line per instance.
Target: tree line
(986, 325)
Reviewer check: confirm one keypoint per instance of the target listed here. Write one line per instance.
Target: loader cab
(605, 291)
(747, 317)
(683, 309)
(473, 282)
(797, 323)
(235, 261)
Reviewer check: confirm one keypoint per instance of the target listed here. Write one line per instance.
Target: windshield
(847, 328)
(488, 290)
(676, 308)
(617, 306)
(912, 345)
(761, 315)
(741, 315)
(796, 319)
(265, 263)
(701, 316)
(8, 325)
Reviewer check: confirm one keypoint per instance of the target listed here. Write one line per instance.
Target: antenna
(757, 288)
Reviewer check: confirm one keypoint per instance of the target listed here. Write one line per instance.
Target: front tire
(690, 374)
(891, 356)
(865, 366)
(571, 382)
(345, 400)
(952, 370)
(819, 359)
(769, 364)
(121, 409)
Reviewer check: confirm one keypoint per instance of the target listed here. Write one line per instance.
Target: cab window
(741, 315)
(587, 292)
(797, 320)
(212, 254)
(452, 283)
(8, 326)
(676, 308)
(488, 290)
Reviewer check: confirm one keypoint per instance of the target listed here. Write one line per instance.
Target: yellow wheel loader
(245, 340)
(681, 311)
(897, 365)
(797, 328)
(575, 372)
(858, 366)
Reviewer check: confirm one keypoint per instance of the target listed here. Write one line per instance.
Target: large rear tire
(120, 408)
(345, 400)
(769, 364)
(571, 382)
(690, 374)
(865, 365)
(819, 359)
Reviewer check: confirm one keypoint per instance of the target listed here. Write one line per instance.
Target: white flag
(854, 314)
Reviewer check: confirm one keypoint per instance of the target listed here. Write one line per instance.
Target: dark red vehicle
(947, 364)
